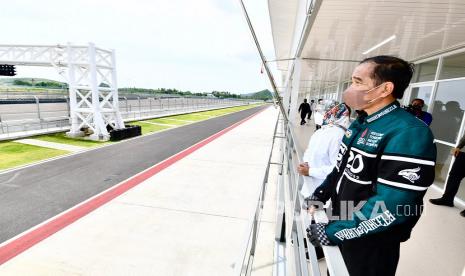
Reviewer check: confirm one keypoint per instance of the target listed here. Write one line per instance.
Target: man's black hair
(392, 69)
(418, 99)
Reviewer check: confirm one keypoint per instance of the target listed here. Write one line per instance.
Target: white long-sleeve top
(319, 114)
(321, 155)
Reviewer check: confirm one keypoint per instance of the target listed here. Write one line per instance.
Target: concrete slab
(52, 145)
(189, 219)
(437, 244)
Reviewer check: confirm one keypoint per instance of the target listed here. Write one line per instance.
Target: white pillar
(114, 87)
(74, 131)
(295, 88)
(101, 132)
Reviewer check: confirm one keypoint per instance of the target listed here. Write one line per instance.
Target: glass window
(448, 108)
(453, 67)
(443, 161)
(425, 71)
(424, 93)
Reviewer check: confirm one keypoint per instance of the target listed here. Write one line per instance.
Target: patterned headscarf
(338, 115)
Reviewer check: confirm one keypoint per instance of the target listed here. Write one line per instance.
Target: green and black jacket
(384, 167)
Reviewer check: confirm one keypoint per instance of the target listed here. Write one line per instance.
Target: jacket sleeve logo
(410, 174)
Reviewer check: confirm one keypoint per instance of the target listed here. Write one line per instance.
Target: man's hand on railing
(312, 203)
(317, 235)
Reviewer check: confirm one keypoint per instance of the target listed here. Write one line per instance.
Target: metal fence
(33, 115)
(292, 220)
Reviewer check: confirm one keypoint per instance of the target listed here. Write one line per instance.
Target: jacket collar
(384, 111)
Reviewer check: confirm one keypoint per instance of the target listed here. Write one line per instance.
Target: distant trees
(21, 82)
(261, 95)
(42, 83)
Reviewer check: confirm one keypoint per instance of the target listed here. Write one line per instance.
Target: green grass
(63, 139)
(149, 128)
(169, 122)
(15, 154)
(189, 117)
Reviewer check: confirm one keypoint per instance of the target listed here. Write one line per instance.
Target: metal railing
(245, 261)
(37, 117)
(292, 220)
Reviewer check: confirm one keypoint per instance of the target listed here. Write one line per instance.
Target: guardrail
(244, 264)
(291, 222)
(37, 120)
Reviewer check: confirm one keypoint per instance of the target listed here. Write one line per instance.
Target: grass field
(62, 138)
(149, 128)
(167, 121)
(15, 154)
(190, 117)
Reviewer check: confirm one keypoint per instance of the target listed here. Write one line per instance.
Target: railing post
(38, 107)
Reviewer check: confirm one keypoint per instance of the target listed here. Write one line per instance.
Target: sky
(200, 45)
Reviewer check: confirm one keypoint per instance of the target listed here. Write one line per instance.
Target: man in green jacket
(384, 167)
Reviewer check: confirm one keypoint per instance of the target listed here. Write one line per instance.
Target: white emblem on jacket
(410, 174)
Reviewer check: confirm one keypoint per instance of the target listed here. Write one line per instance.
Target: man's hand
(311, 204)
(317, 235)
(455, 152)
(303, 169)
(312, 209)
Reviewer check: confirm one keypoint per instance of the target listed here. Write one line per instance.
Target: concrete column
(294, 97)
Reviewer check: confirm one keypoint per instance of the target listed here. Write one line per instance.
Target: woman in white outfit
(319, 114)
(321, 154)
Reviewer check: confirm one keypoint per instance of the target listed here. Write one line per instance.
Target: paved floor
(37, 193)
(187, 219)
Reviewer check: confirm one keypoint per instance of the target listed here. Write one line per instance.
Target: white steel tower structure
(91, 76)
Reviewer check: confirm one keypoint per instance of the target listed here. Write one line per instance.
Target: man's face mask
(357, 100)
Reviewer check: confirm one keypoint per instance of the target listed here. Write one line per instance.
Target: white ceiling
(344, 29)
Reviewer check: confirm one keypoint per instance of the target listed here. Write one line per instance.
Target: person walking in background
(456, 174)
(304, 109)
(321, 154)
(312, 109)
(319, 114)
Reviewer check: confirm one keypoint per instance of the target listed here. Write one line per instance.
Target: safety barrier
(292, 221)
(41, 119)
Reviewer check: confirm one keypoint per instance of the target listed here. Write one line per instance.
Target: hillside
(260, 95)
(36, 82)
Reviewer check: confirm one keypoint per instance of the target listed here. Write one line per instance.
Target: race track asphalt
(34, 194)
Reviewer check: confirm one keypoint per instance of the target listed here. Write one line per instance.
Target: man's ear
(388, 88)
